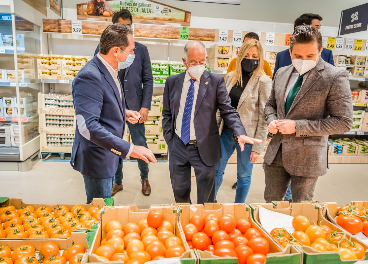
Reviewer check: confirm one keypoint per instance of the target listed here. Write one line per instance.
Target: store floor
(57, 182)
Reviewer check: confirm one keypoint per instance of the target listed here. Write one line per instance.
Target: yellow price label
(361, 104)
(331, 43)
(358, 45)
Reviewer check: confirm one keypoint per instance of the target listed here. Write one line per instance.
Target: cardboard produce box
(220, 51)
(81, 236)
(127, 214)
(153, 127)
(276, 254)
(315, 213)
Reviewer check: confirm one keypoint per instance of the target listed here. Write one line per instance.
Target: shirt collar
(112, 71)
(187, 77)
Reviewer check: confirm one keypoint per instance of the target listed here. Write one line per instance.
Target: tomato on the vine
(280, 235)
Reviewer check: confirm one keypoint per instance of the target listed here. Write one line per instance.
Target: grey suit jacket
(251, 108)
(322, 107)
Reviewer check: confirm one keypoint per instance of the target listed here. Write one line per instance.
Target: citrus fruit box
(332, 209)
(315, 213)
(132, 214)
(82, 236)
(277, 254)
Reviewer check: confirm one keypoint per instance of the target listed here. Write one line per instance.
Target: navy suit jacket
(283, 58)
(100, 115)
(212, 95)
(138, 74)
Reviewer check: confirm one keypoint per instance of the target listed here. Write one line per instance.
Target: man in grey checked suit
(309, 101)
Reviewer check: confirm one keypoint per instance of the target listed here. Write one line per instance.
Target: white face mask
(196, 71)
(303, 66)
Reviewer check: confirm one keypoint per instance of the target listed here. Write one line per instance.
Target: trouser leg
(302, 188)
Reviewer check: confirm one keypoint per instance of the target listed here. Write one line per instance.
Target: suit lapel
(203, 86)
(312, 78)
(247, 91)
(283, 86)
(111, 81)
(178, 88)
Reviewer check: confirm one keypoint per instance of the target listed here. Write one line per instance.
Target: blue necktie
(185, 125)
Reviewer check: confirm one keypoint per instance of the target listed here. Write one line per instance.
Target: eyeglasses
(197, 63)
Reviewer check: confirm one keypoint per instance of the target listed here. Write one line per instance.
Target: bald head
(194, 53)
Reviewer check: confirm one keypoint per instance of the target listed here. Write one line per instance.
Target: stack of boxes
(348, 147)
(160, 71)
(357, 66)
(9, 107)
(10, 133)
(220, 57)
(59, 67)
(154, 134)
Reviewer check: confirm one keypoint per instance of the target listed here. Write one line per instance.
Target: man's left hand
(286, 126)
(132, 116)
(242, 139)
(144, 115)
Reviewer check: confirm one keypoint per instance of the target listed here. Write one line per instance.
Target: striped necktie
(185, 125)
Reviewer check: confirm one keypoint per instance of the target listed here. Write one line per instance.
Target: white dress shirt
(183, 98)
(114, 75)
(293, 78)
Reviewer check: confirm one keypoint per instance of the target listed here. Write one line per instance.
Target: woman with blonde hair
(249, 88)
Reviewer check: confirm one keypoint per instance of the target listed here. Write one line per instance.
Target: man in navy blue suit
(190, 102)
(101, 114)
(137, 82)
(283, 58)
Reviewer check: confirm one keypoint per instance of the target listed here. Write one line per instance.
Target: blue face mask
(125, 64)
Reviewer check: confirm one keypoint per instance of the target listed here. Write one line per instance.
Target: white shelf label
(157, 10)
(339, 43)
(63, 81)
(13, 84)
(22, 84)
(237, 36)
(270, 38)
(2, 51)
(349, 44)
(360, 133)
(223, 35)
(361, 79)
(324, 41)
(76, 27)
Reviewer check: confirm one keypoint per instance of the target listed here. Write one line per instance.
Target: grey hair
(193, 43)
(115, 35)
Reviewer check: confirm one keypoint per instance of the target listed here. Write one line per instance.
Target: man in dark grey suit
(310, 100)
(190, 102)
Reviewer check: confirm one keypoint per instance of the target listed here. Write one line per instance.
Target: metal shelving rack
(20, 88)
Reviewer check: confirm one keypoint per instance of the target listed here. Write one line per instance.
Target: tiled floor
(57, 182)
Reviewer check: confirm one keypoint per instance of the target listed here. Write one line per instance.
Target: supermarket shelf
(360, 104)
(21, 84)
(56, 81)
(359, 133)
(358, 79)
(219, 72)
(9, 153)
(10, 50)
(15, 119)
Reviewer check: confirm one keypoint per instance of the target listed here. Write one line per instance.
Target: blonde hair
(236, 77)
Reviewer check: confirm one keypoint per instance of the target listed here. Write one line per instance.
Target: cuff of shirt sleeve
(130, 150)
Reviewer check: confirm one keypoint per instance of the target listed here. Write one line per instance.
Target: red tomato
(208, 217)
(365, 228)
(227, 223)
(243, 253)
(132, 227)
(166, 225)
(198, 222)
(172, 241)
(156, 248)
(243, 225)
(259, 245)
(225, 252)
(251, 233)
(350, 223)
(26, 260)
(72, 250)
(106, 251)
(115, 233)
(235, 234)
(163, 235)
(300, 223)
(5, 251)
(219, 235)
(6, 260)
(174, 251)
(155, 219)
(225, 244)
(211, 248)
(315, 232)
(280, 235)
(190, 245)
(113, 224)
(257, 259)
(201, 241)
(189, 231)
(117, 243)
(211, 227)
(239, 240)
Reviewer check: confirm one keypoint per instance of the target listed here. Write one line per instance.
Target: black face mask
(249, 65)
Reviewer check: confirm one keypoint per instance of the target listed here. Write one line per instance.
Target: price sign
(287, 40)
(223, 35)
(324, 41)
(358, 45)
(349, 44)
(339, 44)
(237, 36)
(157, 10)
(270, 38)
(2, 119)
(360, 133)
(2, 51)
(63, 81)
(76, 27)
(331, 41)
(184, 33)
(13, 84)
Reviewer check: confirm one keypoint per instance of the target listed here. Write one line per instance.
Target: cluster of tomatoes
(352, 219)
(226, 237)
(320, 238)
(49, 253)
(149, 239)
(44, 222)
